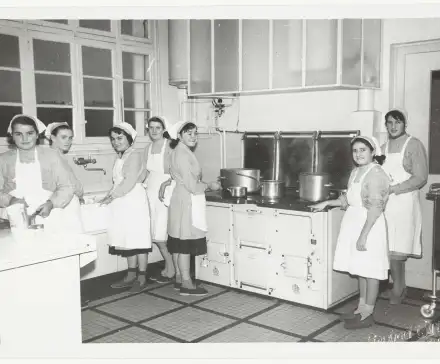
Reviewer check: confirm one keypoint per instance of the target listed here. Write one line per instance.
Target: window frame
(76, 37)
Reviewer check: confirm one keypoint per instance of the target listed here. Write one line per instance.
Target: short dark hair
(395, 114)
(380, 159)
(189, 126)
(22, 120)
(119, 131)
(158, 119)
(56, 130)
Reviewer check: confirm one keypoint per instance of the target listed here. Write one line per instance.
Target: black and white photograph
(221, 179)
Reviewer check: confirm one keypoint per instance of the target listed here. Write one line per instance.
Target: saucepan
(238, 191)
(271, 189)
(240, 177)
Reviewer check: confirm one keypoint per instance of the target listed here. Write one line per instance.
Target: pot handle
(245, 175)
(328, 184)
(221, 177)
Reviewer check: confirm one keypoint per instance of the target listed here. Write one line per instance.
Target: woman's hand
(45, 209)
(214, 186)
(81, 201)
(15, 200)
(106, 200)
(361, 244)
(162, 189)
(392, 189)
(319, 206)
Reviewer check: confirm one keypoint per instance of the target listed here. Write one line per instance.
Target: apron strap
(367, 171)
(402, 152)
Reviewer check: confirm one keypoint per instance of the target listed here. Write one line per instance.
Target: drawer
(252, 225)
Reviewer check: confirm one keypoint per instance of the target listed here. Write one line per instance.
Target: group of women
(381, 227)
(157, 196)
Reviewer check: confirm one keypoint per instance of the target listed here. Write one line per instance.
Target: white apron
(29, 186)
(129, 225)
(158, 209)
(403, 212)
(198, 212)
(372, 263)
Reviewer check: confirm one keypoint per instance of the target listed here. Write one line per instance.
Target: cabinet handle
(252, 211)
(252, 286)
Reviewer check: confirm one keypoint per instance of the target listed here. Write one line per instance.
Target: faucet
(85, 162)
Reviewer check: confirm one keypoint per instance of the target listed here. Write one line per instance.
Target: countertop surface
(290, 201)
(37, 246)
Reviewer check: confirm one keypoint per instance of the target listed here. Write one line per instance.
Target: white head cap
(128, 129)
(40, 125)
(403, 112)
(175, 129)
(372, 141)
(164, 121)
(51, 127)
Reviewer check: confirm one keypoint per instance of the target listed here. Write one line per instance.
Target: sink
(94, 216)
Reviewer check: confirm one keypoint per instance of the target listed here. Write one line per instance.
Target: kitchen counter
(290, 201)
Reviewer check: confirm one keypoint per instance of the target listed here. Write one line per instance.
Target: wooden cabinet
(250, 56)
(216, 266)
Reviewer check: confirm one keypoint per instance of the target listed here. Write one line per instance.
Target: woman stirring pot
(129, 225)
(157, 156)
(362, 248)
(187, 212)
(36, 176)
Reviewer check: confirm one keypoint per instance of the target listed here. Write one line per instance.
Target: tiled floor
(161, 315)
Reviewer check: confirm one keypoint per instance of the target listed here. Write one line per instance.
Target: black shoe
(198, 291)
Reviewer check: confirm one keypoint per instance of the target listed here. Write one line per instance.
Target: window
(57, 71)
(53, 81)
(10, 79)
(136, 86)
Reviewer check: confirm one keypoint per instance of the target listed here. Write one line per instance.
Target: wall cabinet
(251, 56)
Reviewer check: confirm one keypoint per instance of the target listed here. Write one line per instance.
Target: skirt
(127, 253)
(190, 246)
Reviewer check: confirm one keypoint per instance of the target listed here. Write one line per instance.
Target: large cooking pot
(314, 187)
(240, 177)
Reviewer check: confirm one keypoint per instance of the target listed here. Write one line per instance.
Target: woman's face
(395, 128)
(63, 140)
(24, 136)
(155, 130)
(362, 154)
(119, 142)
(189, 137)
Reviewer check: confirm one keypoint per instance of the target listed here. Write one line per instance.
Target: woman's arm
(132, 171)
(64, 181)
(5, 198)
(189, 178)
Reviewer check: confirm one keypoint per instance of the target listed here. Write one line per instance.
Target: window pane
(97, 62)
(138, 120)
(135, 66)
(137, 95)
(95, 24)
(98, 122)
(10, 54)
(10, 89)
(98, 93)
(6, 115)
(51, 56)
(48, 115)
(61, 21)
(135, 28)
(53, 89)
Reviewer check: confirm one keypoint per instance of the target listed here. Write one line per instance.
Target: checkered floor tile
(139, 307)
(168, 291)
(236, 304)
(294, 319)
(134, 335)
(244, 333)
(189, 323)
(95, 324)
(100, 301)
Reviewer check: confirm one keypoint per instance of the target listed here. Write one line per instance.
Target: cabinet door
(321, 52)
(255, 55)
(226, 55)
(252, 225)
(105, 263)
(200, 57)
(287, 53)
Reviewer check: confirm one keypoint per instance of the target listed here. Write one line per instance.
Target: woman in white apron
(362, 247)
(60, 136)
(187, 211)
(407, 166)
(36, 176)
(129, 225)
(157, 156)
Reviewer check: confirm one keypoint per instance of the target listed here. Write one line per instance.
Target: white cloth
(403, 212)
(373, 142)
(51, 127)
(40, 125)
(129, 225)
(372, 263)
(175, 129)
(30, 187)
(198, 212)
(158, 209)
(128, 129)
